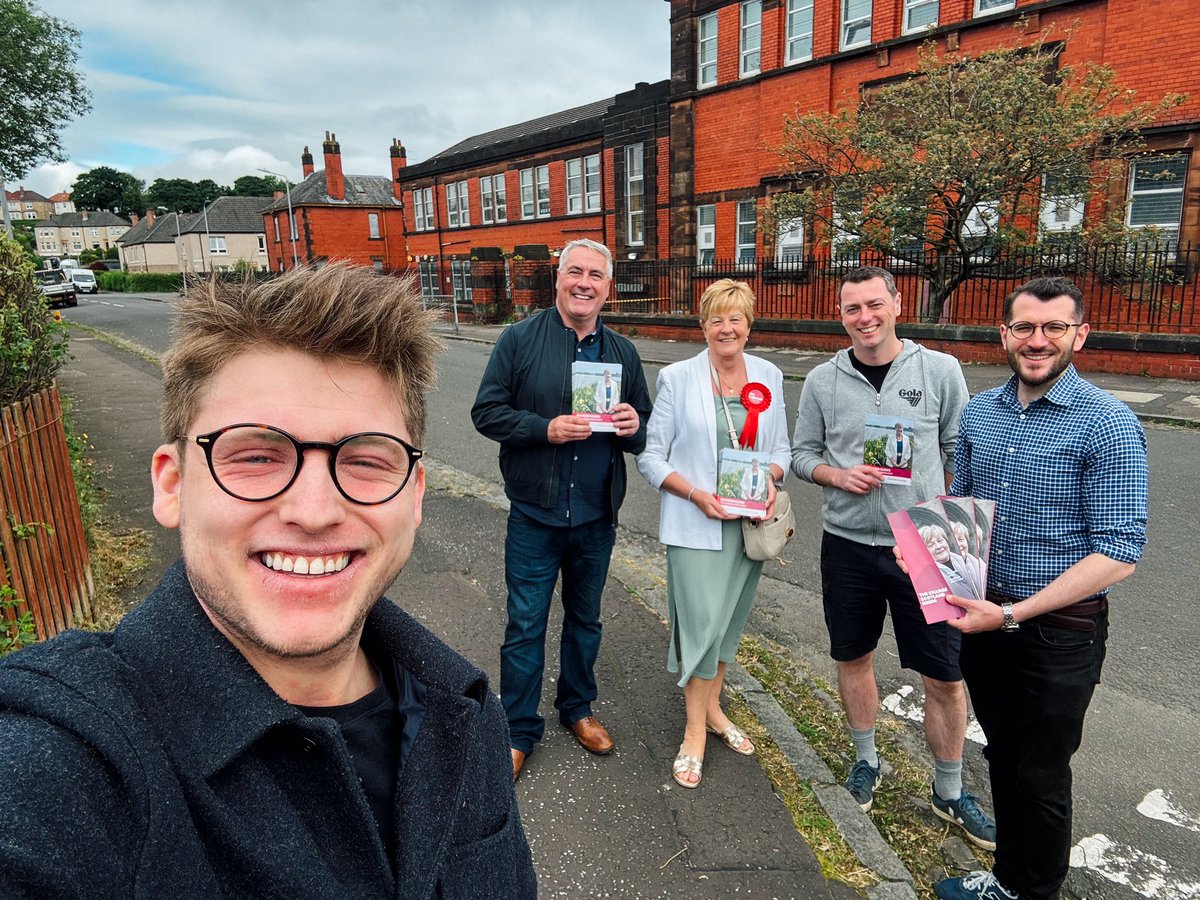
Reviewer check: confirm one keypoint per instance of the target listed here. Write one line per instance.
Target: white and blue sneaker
(976, 886)
(966, 813)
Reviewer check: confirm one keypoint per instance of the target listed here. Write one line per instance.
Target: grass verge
(901, 811)
(119, 342)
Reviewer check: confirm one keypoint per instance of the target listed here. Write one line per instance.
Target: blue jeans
(1031, 691)
(534, 554)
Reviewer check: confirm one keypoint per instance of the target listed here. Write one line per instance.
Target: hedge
(140, 281)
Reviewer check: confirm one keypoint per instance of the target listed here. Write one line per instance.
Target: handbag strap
(733, 436)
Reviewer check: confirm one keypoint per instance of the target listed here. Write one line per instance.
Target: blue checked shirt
(1068, 474)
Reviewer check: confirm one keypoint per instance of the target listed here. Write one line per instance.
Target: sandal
(734, 739)
(687, 765)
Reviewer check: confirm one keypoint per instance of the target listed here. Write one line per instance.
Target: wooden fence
(42, 543)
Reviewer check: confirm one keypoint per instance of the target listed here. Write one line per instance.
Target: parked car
(84, 281)
(106, 265)
(57, 287)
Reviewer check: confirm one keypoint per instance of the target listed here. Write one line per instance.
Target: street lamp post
(207, 240)
(291, 216)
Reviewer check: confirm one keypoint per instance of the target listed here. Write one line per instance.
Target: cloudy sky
(220, 88)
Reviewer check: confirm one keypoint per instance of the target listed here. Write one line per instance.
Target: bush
(33, 341)
(130, 282)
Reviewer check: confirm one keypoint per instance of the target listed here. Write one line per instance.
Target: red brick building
(738, 68)
(338, 216)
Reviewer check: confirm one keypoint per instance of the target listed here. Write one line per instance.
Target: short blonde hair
(932, 531)
(727, 294)
(339, 311)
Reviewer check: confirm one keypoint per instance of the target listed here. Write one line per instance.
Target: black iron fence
(1128, 288)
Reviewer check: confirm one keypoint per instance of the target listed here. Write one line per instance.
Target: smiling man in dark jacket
(264, 724)
(566, 484)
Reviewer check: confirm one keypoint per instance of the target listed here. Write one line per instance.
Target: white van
(84, 281)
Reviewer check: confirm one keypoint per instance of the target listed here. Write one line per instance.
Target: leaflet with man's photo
(595, 392)
(888, 446)
(742, 477)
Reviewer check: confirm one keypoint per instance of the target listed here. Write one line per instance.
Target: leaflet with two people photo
(595, 392)
(945, 544)
(888, 447)
(742, 477)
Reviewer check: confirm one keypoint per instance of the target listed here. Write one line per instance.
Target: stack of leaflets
(595, 391)
(742, 477)
(945, 544)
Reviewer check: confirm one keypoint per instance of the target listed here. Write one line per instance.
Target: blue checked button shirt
(1068, 474)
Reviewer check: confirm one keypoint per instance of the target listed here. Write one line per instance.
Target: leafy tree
(105, 188)
(40, 89)
(257, 186)
(184, 195)
(945, 169)
(33, 343)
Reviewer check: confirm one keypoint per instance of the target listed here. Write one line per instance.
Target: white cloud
(203, 90)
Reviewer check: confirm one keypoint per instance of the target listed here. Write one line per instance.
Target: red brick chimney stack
(306, 162)
(399, 161)
(335, 181)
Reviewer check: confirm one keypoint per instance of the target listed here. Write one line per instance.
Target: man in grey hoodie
(881, 375)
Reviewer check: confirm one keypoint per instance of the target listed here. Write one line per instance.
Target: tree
(184, 195)
(257, 186)
(945, 169)
(106, 188)
(40, 89)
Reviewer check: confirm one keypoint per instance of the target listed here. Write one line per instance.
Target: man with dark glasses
(264, 724)
(1066, 464)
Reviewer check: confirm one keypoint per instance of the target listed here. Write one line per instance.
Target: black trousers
(1031, 691)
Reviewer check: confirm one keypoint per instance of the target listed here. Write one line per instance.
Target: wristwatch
(1010, 624)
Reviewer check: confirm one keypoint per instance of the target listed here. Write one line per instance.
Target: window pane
(592, 182)
(920, 14)
(499, 190)
(706, 51)
(543, 191)
(751, 36)
(799, 30)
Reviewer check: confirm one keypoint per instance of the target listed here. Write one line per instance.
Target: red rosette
(755, 397)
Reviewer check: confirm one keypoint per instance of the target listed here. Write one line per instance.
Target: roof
(22, 194)
(61, 197)
(95, 219)
(162, 231)
(361, 190)
(528, 129)
(231, 215)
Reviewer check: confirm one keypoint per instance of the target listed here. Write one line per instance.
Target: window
(635, 209)
(1062, 209)
(275, 219)
(591, 183)
(376, 265)
(460, 279)
(706, 234)
(491, 199)
(75, 232)
(799, 30)
(789, 243)
(919, 15)
(979, 227)
(527, 204)
(373, 225)
(94, 232)
(216, 243)
(574, 186)
(428, 269)
(856, 23)
(458, 205)
(262, 243)
(751, 56)
(706, 51)
(422, 209)
(542, 174)
(292, 226)
(986, 7)
(747, 225)
(1156, 193)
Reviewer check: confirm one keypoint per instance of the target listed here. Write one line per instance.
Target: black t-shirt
(379, 730)
(873, 374)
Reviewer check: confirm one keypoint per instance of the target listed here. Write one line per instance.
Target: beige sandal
(734, 739)
(687, 765)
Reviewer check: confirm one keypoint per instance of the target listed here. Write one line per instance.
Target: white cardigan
(682, 437)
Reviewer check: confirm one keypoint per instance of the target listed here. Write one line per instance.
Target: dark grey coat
(154, 762)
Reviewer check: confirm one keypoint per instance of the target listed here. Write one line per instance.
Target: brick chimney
(335, 181)
(306, 163)
(399, 161)
(133, 218)
(150, 217)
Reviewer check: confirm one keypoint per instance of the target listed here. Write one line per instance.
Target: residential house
(337, 216)
(62, 202)
(153, 244)
(23, 204)
(69, 234)
(229, 231)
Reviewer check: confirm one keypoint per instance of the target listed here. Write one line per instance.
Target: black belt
(1080, 615)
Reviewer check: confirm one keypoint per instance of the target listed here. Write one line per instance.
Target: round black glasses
(1052, 330)
(259, 462)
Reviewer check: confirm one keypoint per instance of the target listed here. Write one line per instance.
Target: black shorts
(858, 584)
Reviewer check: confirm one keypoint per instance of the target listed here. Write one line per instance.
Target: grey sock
(947, 778)
(864, 745)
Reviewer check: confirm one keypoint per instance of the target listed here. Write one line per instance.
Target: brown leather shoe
(592, 736)
(518, 763)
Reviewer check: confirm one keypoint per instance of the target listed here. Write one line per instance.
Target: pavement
(599, 827)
